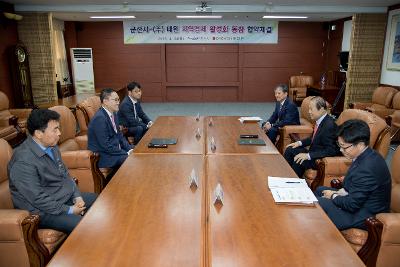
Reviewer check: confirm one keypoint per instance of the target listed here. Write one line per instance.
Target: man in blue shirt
(39, 180)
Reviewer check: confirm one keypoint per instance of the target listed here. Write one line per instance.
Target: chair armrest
(83, 164)
(10, 224)
(9, 120)
(391, 227)
(336, 166)
(359, 105)
(329, 168)
(369, 251)
(21, 112)
(82, 141)
(78, 159)
(296, 129)
(18, 225)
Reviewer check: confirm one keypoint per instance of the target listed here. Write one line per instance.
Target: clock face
(20, 55)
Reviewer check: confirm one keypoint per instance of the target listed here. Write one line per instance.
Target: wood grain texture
(146, 216)
(180, 127)
(226, 132)
(9, 37)
(257, 68)
(251, 230)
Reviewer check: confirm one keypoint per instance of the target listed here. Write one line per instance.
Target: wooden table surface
(251, 230)
(226, 132)
(180, 127)
(70, 101)
(146, 216)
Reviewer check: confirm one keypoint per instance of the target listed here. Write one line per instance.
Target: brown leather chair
(81, 163)
(394, 119)
(380, 244)
(85, 112)
(381, 103)
(333, 167)
(288, 133)
(298, 87)
(21, 113)
(21, 243)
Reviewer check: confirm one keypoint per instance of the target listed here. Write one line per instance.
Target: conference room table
(226, 131)
(183, 128)
(149, 215)
(250, 229)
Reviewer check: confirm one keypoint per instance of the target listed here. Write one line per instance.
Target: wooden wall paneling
(300, 48)
(163, 73)
(9, 37)
(240, 72)
(220, 94)
(184, 94)
(115, 64)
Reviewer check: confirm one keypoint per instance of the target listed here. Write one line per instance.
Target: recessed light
(284, 17)
(112, 17)
(199, 17)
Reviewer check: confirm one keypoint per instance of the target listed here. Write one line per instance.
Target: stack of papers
(249, 119)
(291, 191)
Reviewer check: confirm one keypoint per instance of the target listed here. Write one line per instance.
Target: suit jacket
(104, 140)
(126, 114)
(38, 183)
(288, 115)
(324, 142)
(368, 184)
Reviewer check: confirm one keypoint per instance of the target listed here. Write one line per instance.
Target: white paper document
(291, 191)
(249, 119)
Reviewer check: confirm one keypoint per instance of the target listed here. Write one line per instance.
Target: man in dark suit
(131, 114)
(367, 185)
(39, 179)
(104, 136)
(321, 144)
(285, 113)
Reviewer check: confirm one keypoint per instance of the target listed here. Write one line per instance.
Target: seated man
(367, 184)
(131, 114)
(285, 113)
(104, 137)
(39, 180)
(322, 143)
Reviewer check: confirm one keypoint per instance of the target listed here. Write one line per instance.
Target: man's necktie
(134, 109)
(49, 152)
(113, 122)
(314, 132)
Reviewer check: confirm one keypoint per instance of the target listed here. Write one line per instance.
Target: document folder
(249, 141)
(163, 141)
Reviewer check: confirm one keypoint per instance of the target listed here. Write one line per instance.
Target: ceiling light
(112, 17)
(200, 17)
(285, 17)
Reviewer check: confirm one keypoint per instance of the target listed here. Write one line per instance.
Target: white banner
(195, 31)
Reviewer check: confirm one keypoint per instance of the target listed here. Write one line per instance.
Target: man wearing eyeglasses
(104, 135)
(367, 184)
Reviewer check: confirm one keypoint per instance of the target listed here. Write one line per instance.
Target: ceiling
(316, 10)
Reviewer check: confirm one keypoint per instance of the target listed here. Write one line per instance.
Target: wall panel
(204, 72)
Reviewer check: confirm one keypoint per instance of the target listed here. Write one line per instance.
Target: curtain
(60, 55)
(365, 59)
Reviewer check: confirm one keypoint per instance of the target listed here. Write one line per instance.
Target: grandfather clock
(21, 76)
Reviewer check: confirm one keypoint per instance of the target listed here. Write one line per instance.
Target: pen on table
(292, 182)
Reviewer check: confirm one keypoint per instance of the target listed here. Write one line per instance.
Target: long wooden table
(180, 127)
(149, 216)
(146, 216)
(226, 132)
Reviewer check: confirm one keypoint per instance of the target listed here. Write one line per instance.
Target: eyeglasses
(343, 147)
